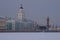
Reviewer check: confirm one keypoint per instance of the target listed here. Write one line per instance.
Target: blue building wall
(19, 26)
(9, 26)
(22, 26)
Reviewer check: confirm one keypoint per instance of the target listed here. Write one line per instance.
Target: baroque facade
(19, 24)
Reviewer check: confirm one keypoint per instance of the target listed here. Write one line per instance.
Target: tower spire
(21, 15)
(48, 22)
(21, 6)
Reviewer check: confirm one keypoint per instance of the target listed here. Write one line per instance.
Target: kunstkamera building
(19, 24)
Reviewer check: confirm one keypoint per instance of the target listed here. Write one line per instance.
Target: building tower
(21, 13)
(48, 22)
(35, 25)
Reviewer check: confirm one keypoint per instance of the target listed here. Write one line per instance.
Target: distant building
(2, 24)
(42, 28)
(23, 24)
(10, 24)
(20, 24)
(48, 23)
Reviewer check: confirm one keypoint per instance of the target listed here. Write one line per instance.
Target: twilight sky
(37, 10)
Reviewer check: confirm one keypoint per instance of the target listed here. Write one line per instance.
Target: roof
(1, 18)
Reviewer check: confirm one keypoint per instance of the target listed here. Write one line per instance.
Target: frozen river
(30, 36)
